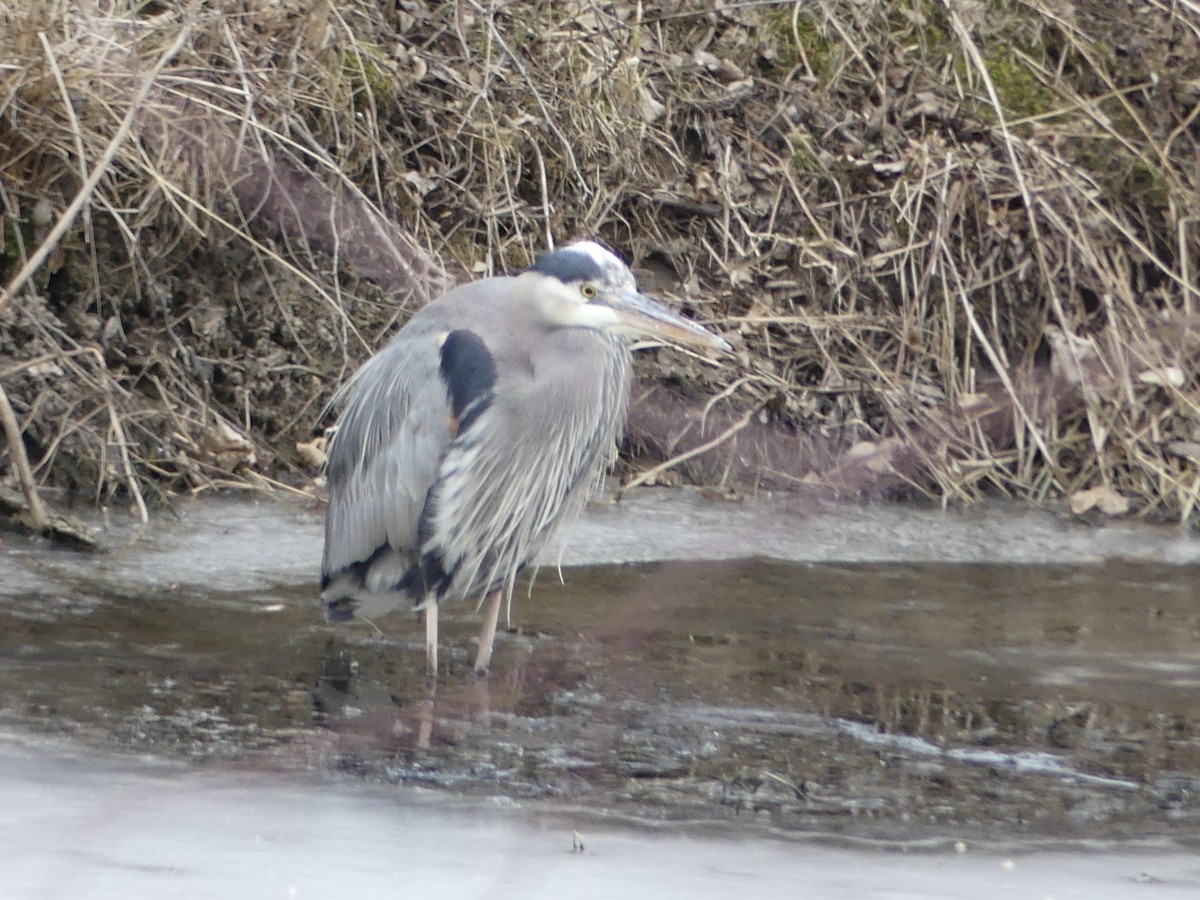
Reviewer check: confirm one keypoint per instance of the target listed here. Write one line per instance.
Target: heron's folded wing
(385, 454)
(525, 464)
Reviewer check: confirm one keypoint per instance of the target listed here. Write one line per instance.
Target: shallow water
(1000, 682)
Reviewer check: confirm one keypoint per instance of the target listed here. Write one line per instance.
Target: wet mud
(929, 702)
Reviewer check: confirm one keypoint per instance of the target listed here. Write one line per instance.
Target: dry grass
(955, 242)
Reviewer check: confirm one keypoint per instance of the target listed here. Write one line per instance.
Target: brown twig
(16, 452)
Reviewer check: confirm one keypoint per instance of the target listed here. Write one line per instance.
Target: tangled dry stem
(955, 243)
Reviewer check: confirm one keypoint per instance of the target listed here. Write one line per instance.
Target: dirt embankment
(954, 243)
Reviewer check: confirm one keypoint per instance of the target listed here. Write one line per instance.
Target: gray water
(900, 703)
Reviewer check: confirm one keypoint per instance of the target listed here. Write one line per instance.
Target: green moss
(10, 259)
(798, 40)
(924, 30)
(369, 73)
(1146, 181)
(1020, 92)
(521, 35)
(803, 158)
(1123, 176)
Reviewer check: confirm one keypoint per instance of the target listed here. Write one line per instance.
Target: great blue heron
(480, 429)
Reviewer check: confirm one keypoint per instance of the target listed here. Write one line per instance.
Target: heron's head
(586, 286)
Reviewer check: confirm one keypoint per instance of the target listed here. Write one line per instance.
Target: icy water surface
(966, 686)
(92, 828)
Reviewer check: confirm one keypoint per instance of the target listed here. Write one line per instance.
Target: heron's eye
(588, 291)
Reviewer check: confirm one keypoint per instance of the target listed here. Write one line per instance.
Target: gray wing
(382, 462)
(527, 463)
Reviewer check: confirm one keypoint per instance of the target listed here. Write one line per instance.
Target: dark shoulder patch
(470, 375)
(569, 266)
(425, 579)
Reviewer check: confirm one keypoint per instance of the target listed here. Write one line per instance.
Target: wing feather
(528, 463)
(384, 457)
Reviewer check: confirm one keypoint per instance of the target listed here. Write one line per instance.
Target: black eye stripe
(569, 265)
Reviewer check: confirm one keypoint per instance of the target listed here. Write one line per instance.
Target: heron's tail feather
(340, 610)
(362, 604)
(368, 588)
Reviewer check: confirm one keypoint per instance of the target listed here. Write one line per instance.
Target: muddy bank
(953, 251)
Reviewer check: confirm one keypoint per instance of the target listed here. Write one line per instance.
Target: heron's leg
(431, 638)
(487, 635)
(425, 711)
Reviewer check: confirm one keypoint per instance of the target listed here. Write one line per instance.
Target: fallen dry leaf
(1164, 376)
(1104, 498)
(312, 453)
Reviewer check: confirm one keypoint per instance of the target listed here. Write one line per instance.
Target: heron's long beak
(638, 314)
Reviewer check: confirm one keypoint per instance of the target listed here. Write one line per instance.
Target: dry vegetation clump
(955, 242)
